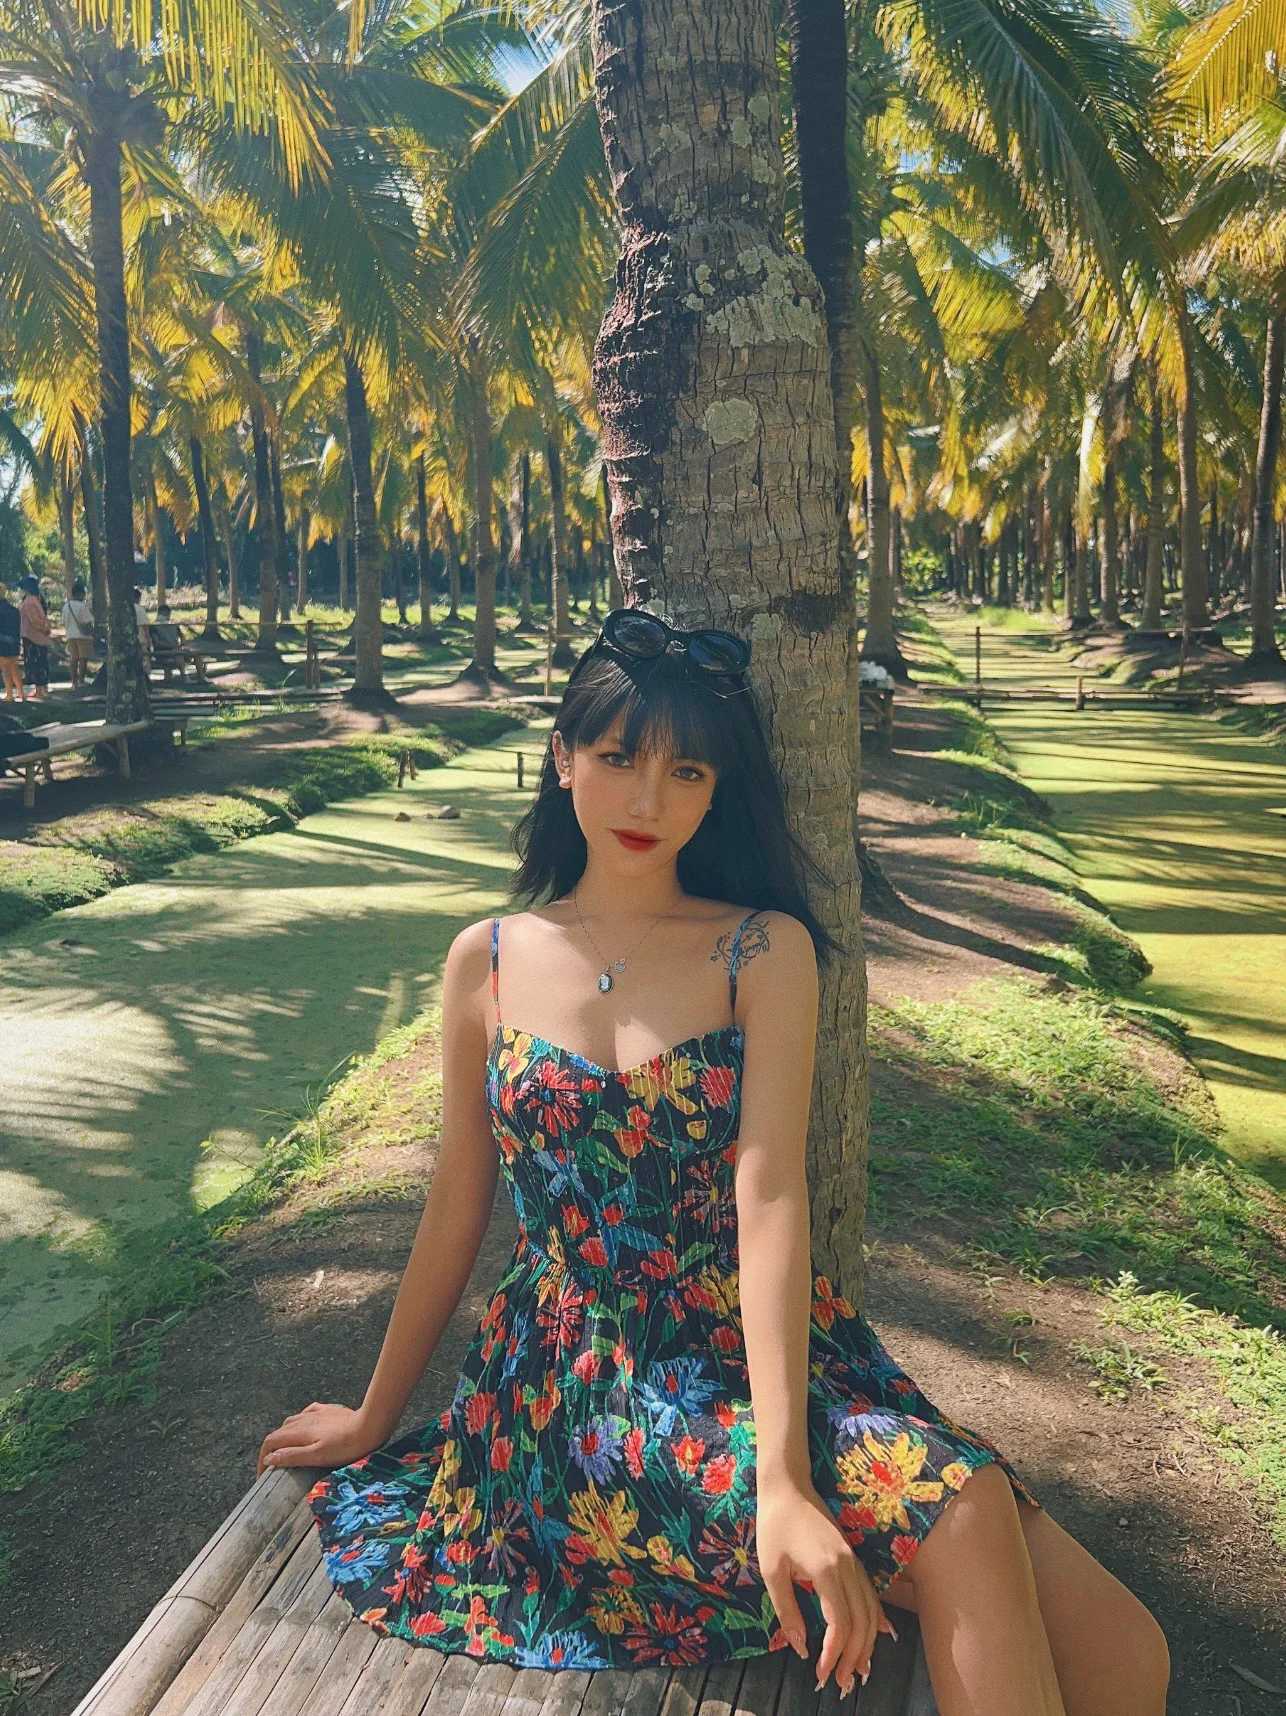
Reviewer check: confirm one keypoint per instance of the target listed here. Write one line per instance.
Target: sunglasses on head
(643, 637)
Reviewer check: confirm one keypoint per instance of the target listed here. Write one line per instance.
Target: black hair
(78, 587)
(744, 850)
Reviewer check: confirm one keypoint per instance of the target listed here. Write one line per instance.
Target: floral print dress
(587, 1500)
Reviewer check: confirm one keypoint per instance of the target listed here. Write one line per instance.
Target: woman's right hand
(323, 1434)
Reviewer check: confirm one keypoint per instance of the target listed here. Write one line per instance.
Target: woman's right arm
(458, 1208)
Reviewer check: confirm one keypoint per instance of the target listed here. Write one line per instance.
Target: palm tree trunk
(482, 667)
(879, 643)
(1154, 566)
(1264, 651)
(67, 528)
(282, 562)
(559, 619)
(302, 533)
(615, 595)
(428, 633)
(1110, 549)
(367, 688)
(265, 531)
(228, 532)
(127, 696)
(723, 496)
(818, 38)
(93, 539)
(209, 560)
(1046, 540)
(1192, 570)
(453, 565)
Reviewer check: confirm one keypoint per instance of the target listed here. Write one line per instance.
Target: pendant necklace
(605, 978)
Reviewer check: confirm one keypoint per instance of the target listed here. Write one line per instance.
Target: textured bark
(280, 531)
(209, 559)
(302, 532)
(1110, 550)
(265, 531)
(483, 665)
(368, 628)
(818, 38)
(453, 566)
(615, 595)
(559, 619)
(127, 697)
(1046, 541)
(341, 568)
(67, 529)
(1192, 570)
(713, 380)
(1150, 617)
(93, 541)
(428, 632)
(879, 643)
(1264, 651)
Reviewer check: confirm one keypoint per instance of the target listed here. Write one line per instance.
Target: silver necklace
(605, 978)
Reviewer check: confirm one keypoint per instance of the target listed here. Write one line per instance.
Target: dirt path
(1177, 824)
(155, 1037)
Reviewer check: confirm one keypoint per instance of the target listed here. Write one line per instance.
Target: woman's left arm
(796, 1534)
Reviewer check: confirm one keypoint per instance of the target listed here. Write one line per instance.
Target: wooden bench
(875, 714)
(254, 1626)
(65, 737)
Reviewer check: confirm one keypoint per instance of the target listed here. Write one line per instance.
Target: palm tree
(723, 502)
(111, 94)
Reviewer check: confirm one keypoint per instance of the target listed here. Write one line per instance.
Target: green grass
(156, 1279)
(1060, 1119)
(76, 859)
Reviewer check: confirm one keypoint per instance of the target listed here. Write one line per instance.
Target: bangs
(666, 712)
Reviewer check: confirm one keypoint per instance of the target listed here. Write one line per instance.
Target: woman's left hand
(796, 1538)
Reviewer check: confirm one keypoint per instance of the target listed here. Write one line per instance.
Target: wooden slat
(251, 1545)
(920, 1701)
(885, 1693)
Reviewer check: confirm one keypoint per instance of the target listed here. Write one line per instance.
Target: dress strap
(735, 961)
(495, 966)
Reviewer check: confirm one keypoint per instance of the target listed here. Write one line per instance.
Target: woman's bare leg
(975, 1593)
(1109, 1653)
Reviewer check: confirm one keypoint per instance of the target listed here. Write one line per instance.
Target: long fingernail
(866, 1676)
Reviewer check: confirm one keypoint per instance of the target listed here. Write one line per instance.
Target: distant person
(143, 622)
(11, 651)
(36, 639)
(167, 636)
(78, 629)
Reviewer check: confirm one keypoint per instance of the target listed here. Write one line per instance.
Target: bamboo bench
(254, 1626)
(84, 736)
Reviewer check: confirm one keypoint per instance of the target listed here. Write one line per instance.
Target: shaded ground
(1170, 815)
(312, 1283)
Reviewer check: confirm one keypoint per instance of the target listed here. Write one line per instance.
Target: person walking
(11, 651)
(36, 639)
(78, 629)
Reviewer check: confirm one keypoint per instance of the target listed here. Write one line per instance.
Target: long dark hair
(744, 850)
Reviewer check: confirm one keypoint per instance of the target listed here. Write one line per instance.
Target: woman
(36, 639)
(665, 1421)
(78, 629)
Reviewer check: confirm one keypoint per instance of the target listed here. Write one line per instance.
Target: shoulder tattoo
(754, 939)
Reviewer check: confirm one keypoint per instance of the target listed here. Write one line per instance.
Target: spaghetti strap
(495, 967)
(734, 962)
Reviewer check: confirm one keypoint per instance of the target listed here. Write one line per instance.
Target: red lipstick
(635, 842)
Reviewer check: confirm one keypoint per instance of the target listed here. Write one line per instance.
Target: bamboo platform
(254, 1627)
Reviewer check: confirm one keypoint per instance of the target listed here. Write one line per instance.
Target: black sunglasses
(643, 637)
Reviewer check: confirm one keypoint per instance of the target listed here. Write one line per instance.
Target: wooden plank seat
(67, 736)
(254, 1626)
(199, 651)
